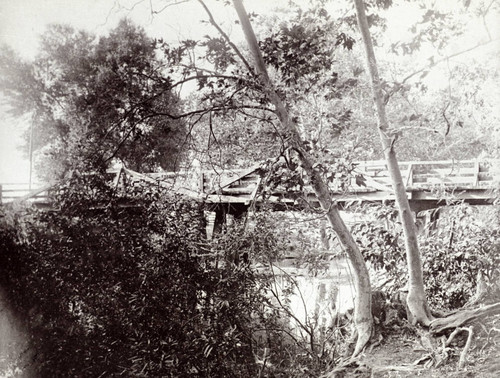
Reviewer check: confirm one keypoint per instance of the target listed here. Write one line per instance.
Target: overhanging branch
(226, 37)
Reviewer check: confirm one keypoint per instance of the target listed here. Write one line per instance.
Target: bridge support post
(220, 220)
(225, 210)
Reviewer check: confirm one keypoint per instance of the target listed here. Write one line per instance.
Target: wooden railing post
(476, 171)
(409, 177)
(201, 183)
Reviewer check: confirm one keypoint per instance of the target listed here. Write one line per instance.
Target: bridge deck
(424, 180)
(427, 180)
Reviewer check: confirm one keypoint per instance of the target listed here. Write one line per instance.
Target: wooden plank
(116, 181)
(16, 184)
(445, 172)
(476, 181)
(220, 198)
(254, 192)
(442, 162)
(34, 193)
(409, 176)
(240, 190)
(470, 194)
(373, 196)
(15, 190)
(226, 182)
(430, 179)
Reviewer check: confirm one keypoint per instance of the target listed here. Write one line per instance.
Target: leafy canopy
(96, 99)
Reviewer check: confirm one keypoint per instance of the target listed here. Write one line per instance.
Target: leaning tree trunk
(362, 306)
(416, 300)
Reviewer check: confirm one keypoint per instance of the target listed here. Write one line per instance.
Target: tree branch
(444, 59)
(197, 77)
(434, 64)
(226, 37)
(153, 12)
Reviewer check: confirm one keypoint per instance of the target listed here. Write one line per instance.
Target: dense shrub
(112, 286)
(461, 243)
(126, 283)
(379, 238)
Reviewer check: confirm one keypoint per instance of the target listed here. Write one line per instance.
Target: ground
(397, 353)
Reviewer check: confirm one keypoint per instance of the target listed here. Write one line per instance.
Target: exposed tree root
(339, 370)
(402, 368)
(376, 343)
(437, 356)
(417, 308)
(488, 336)
(463, 355)
(460, 318)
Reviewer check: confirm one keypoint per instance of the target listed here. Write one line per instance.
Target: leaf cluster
(456, 249)
(379, 239)
(304, 47)
(108, 287)
(96, 99)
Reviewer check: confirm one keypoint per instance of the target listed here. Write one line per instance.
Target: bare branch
(418, 128)
(226, 37)
(434, 63)
(446, 58)
(167, 6)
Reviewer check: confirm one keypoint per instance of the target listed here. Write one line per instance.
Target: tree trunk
(362, 306)
(416, 299)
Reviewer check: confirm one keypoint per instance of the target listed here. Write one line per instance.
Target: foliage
(379, 238)
(234, 141)
(94, 267)
(455, 250)
(293, 345)
(286, 176)
(233, 111)
(303, 48)
(107, 289)
(115, 282)
(95, 100)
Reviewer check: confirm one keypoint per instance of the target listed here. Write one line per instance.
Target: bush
(458, 246)
(108, 289)
(112, 284)
(463, 242)
(379, 238)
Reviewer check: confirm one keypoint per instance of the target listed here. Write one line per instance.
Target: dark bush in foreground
(113, 290)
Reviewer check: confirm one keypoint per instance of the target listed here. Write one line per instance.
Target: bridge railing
(9, 192)
(417, 176)
(422, 174)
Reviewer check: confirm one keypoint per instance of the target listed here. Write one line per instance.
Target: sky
(22, 21)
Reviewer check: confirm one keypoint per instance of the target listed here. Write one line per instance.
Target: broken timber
(427, 183)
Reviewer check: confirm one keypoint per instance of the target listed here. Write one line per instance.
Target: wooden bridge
(428, 184)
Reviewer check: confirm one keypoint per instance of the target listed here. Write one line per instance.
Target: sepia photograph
(249, 188)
